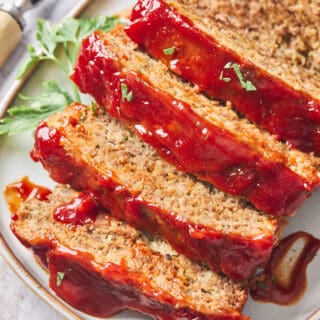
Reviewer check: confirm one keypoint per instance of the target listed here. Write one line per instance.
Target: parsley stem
(69, 70)
(76, 92)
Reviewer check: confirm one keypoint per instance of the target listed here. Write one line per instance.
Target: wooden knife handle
(10, 33)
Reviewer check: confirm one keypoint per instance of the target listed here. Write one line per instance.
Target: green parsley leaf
(93, 109)
(246, 84)
(28, 64)
(274, 279)
(169, 51)
(26, 117)
(103, 23)
(262, 285)
(67, 31)
(69, 34)
(46, 37)
(60, 276)
(225, 79)
(125, 94)
(308, 256)
(228, 65)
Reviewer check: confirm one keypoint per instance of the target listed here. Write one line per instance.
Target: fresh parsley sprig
(66, 35)
(33, 109)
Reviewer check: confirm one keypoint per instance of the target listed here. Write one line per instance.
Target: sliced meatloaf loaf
(275, 92)
(287, 29)
(90, 151)
(199, 136)
(105, 266)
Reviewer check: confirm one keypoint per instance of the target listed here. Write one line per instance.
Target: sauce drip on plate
(22, 190)
(284, 279)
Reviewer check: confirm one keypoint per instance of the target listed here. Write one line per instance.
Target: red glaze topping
(80, 210)
(105, 290)
(284, 279)
(182, 137)
(235, 255)
(291, 115)
(22, 190)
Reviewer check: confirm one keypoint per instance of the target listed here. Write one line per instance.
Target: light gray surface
(16, 300)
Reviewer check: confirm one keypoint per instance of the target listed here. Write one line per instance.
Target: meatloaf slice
(286, 28)
(106, 266)
(91, 151)
(277, 93)
(199, 136)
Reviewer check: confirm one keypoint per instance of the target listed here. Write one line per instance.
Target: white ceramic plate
(15, 162)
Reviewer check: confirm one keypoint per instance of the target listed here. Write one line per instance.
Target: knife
(11, 25)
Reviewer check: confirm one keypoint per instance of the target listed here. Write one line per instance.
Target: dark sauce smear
(80, 210)
(284, 279)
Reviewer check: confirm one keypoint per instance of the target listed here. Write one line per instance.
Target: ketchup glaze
(235, 255)
(80, 210)
(182, 137)
(101, 289)
(291, 115)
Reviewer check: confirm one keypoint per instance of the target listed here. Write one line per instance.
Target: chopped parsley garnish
(60, 276)
(93, 109)
(126, 138)
(125, 94)
(225, 79)
(169, 51)
(262, 285)
(246, 84)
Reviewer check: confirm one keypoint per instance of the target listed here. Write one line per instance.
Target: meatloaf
(105, 266)
(90, 151)
(276, 92)
(288, 29)
(202, 137)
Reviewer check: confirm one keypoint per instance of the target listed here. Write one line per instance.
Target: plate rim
(45, 295)
(32, 283)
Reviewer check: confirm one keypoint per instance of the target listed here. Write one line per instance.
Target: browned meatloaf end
(250, 68)
(106, 266)
(90, 151)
